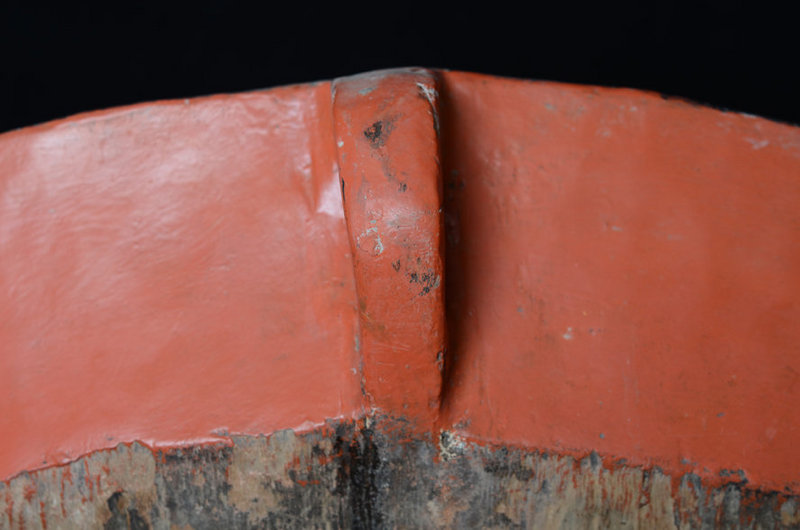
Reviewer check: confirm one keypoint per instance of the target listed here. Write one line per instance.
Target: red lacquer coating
(173, 272)
(623, 276)
(622, 272)
(386, 131)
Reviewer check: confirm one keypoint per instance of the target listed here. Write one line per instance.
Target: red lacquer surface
(621, 272)
(173, 272)
(389, 159)
(623, 275)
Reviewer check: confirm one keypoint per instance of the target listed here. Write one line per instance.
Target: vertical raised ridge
(386, 129)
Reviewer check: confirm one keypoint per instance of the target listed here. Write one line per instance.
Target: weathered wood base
(372, 474)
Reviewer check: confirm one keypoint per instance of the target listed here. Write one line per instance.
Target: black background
(73, 58)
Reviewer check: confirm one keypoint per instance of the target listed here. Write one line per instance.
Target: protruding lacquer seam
(386, 129)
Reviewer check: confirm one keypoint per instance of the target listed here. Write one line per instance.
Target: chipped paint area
(373, 474)
(278, 481)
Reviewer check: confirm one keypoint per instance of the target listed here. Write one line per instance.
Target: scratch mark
(430, 94)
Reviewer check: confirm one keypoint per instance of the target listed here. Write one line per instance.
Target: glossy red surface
(173, 272)
(623, 276)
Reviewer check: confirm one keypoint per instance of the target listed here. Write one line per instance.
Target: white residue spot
(451, 445)
(616, 228)
(568, 335)
(757, 144)
(429, 92)
(378, 248)
(340, 143)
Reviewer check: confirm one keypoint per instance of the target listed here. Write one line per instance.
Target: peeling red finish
(30, 491)
(621, 273)
(42, 517)
(9, 508)
(67, 475)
